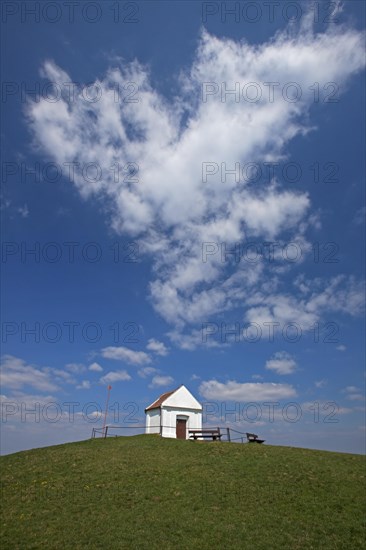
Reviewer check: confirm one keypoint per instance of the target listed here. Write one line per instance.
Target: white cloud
(360, 216)
(356, 397)
(325, 407)
(341, 347)
(160, 380)
(169, 141)
(16, 374)
(95, 367)
(115, 376)
(321, 383)
(75, 368)
(23, 211)
(268, 214)
(50, 421)
(157, 347)
(192, 340)
(246, 391)
(122, 353)
(339, 294)
(351, 389)
(85, 385)
(353, 393)
(281, 363)
(146, 371)
(61, 375)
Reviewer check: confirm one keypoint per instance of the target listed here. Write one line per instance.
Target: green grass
(147, 492)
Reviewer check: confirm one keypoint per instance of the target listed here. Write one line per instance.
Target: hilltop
(148, 492)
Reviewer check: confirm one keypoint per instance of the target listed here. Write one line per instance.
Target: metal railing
(107, 431)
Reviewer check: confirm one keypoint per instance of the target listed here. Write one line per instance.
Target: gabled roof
(157, 404)
(180, 398)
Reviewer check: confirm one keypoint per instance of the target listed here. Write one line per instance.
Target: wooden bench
(253, 438)
(213, 434)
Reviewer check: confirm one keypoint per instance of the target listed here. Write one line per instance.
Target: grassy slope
(147, 492)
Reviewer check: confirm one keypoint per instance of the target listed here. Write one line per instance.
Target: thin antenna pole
(106, 408)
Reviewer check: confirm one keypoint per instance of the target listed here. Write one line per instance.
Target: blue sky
(128, 283)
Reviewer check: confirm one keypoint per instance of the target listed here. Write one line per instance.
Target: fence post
(105, 432)
(228, 434)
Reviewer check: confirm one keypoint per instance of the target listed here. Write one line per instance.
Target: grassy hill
(147, 492)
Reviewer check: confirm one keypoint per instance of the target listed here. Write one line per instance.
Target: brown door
(181, 429)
